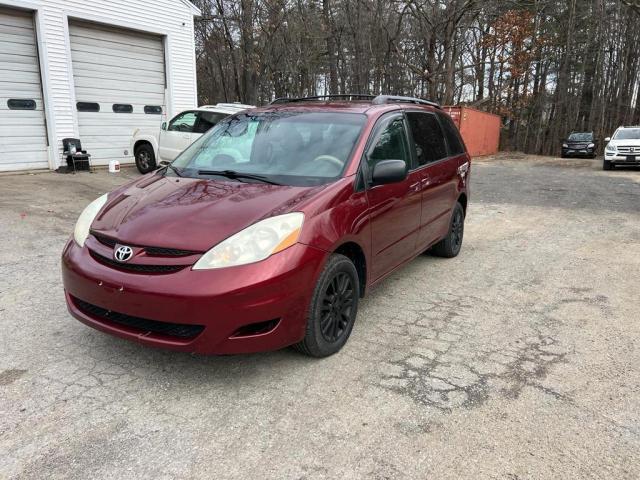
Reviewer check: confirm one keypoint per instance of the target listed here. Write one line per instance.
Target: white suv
(623, 148)
(150, 146)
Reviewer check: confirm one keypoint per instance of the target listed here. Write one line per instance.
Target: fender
(146, 135)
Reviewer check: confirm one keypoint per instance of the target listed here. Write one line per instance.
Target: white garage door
(23, 134)
(119, 79)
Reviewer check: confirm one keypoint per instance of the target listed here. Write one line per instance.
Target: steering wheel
(329, 159)
(230, 153)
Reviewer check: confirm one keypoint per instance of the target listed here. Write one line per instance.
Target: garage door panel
(27, 143)
(19, 76)
(36, 120)
(120, 85)
(23, 134)
(20, 90)
(119, 48)
(106, 71)
(78, 32)
(16, 131)
(112, 50)
(19, 49)
(125, 75)
(25, 31)
(112, 131)
(137, 117)
(92, 58)
(88, 94)
(21, 38)
(14, 58)
(18, 67)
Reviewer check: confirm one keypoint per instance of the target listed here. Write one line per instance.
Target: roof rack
(382, 99)
(345, 96)
(375, 100)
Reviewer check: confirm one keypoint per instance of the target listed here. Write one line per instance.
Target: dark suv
(268, 229)
(579, 144)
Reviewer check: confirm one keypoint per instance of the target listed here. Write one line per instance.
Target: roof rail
(346, 96)
(228, 105)
(382, 99)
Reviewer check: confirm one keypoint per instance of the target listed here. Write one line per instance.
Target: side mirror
(607, 139)
(389, 171)
(164, 126)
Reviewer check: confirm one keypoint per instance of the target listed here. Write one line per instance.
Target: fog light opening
(259, 328)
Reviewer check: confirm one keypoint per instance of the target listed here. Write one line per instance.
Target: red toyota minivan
(267, 230)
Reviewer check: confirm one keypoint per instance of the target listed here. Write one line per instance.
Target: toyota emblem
(123, 253)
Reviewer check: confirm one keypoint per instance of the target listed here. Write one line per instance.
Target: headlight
(254, 243)
(610, 148)
(85, 220)
(564, 145)
(591, 145)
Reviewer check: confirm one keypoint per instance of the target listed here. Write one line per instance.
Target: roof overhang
(195, 11)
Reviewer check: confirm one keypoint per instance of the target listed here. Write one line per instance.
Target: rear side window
(456, 146)
(206, 120)
(427, 136)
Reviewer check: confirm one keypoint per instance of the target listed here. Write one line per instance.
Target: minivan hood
(189, 213)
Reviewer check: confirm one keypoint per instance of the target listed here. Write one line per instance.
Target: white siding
(171, 19)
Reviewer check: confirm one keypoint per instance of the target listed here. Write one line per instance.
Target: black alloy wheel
(145, 158)
(335, 311)
(333, 308)
(451, 245)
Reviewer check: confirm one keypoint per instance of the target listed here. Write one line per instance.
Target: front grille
(169, 252)
(636, 150)
(109, 242)
(155, 251)
(144, 325)
(136, 267)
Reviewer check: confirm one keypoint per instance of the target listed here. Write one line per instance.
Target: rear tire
(333, 309)
(606, 165)
(145, 158)
(451, 245)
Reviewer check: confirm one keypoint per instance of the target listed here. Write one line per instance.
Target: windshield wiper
(173, 169)
(237, 175)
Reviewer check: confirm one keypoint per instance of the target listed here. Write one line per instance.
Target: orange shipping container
(480, 130)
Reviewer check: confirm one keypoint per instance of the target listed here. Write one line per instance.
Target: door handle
(415, 187)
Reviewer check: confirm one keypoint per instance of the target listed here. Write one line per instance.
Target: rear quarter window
(456, 146)
(427, 136)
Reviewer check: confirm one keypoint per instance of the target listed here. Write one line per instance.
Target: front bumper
(623, 159)
(584, 152)
(277, 290)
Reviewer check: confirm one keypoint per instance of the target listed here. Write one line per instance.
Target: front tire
(333, 309)
(145, 158)
(450, 245)
(606, 165)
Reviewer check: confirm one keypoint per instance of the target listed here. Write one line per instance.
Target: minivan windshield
(627, 134)
(581, 137)
(282, 147)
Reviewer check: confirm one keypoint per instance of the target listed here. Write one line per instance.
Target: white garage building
(93, 70)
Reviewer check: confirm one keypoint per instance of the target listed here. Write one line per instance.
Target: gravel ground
(518, 359)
